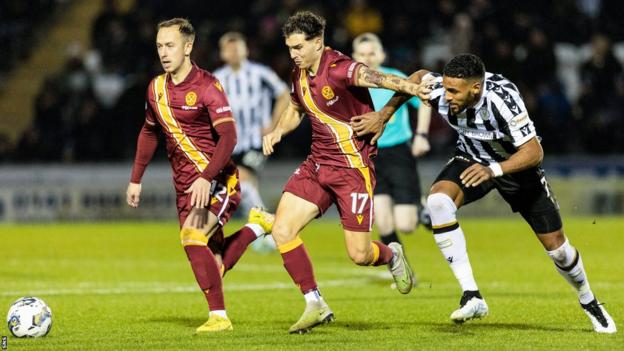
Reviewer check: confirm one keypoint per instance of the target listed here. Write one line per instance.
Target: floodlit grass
(129, 286)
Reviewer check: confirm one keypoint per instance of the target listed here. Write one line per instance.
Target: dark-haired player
(330, 88)
(498, 148)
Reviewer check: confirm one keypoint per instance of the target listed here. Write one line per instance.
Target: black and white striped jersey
(250, 90)
(492, 130)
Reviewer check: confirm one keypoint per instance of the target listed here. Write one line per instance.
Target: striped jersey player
(497, 148)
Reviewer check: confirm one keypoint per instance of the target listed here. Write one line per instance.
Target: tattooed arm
(370, 78)
(374, 122)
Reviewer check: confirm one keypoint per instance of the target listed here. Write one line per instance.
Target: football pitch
(129, 286)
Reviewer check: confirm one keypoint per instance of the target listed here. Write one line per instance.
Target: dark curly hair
(304, 22)
(465, 66)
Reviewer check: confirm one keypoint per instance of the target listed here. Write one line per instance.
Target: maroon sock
(207, 274)
(299, 266)
(235, 246)
(385, 254)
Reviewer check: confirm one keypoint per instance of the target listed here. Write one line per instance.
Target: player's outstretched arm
(146, 147)
(370, 78)
(529, 154)
(374, 122)
(288, 121)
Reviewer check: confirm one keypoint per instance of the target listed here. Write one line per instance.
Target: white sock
(569, 264)
(312, 296)
(450, 239)
(256, 228)
(220, 313)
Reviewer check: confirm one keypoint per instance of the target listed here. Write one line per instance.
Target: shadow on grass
(463, 328)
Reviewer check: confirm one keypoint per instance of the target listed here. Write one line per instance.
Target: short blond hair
(184, 25)
(367, 38)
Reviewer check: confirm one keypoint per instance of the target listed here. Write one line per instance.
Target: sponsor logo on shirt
(350, 71)
(333, 101)
(477, 134)
(519, 120)
(190, 98)
(327, 92)
(224, 109)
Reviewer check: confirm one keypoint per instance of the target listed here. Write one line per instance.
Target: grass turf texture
(129, 286)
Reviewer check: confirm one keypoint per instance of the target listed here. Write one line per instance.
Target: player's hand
(269, 140)
(200, 192)
(424, 89)
(368, 123)
(133, 194)
(475, 175)
(420, 146)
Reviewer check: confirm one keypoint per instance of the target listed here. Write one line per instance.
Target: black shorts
(252, 159)
(526, 192)
(397, 174)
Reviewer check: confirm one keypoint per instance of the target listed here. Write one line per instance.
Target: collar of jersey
(189, 77)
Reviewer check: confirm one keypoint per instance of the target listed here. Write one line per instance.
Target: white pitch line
(175, 288)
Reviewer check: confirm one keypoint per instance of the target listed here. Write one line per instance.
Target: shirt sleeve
(512, 115)
(150, 116)
(217, 104)
(344, 71)
(272, 81)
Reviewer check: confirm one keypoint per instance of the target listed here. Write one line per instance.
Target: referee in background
(257, 97)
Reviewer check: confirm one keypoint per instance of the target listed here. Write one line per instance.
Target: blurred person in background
(397, 193)
(251, 89)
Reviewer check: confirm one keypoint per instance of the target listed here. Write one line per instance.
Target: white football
(29, 317)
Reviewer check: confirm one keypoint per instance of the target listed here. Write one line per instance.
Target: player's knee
(441, 207)
(283, 233)
(360, 257)
(192, 236)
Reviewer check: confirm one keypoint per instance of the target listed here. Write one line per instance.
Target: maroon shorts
(351, 189)
(225, 197)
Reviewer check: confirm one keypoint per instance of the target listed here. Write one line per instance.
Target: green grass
(129, 286)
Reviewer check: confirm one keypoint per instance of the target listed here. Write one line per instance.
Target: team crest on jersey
(327, 92)
(484, 114)
(218, 85)
(190, 98)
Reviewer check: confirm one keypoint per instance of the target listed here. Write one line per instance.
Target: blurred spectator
(106, 86)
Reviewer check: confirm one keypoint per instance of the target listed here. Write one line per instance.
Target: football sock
(236, 244)
(382, 254)
(569, 264)
(312, 296)
(205, 267)
(450, 239)
(220, 313)
(390, 238)
(298, 264)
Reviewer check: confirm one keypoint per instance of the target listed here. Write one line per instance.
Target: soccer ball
(29, 317)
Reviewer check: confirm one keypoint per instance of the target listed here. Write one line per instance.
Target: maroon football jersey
(330, 99)
(188, 113)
